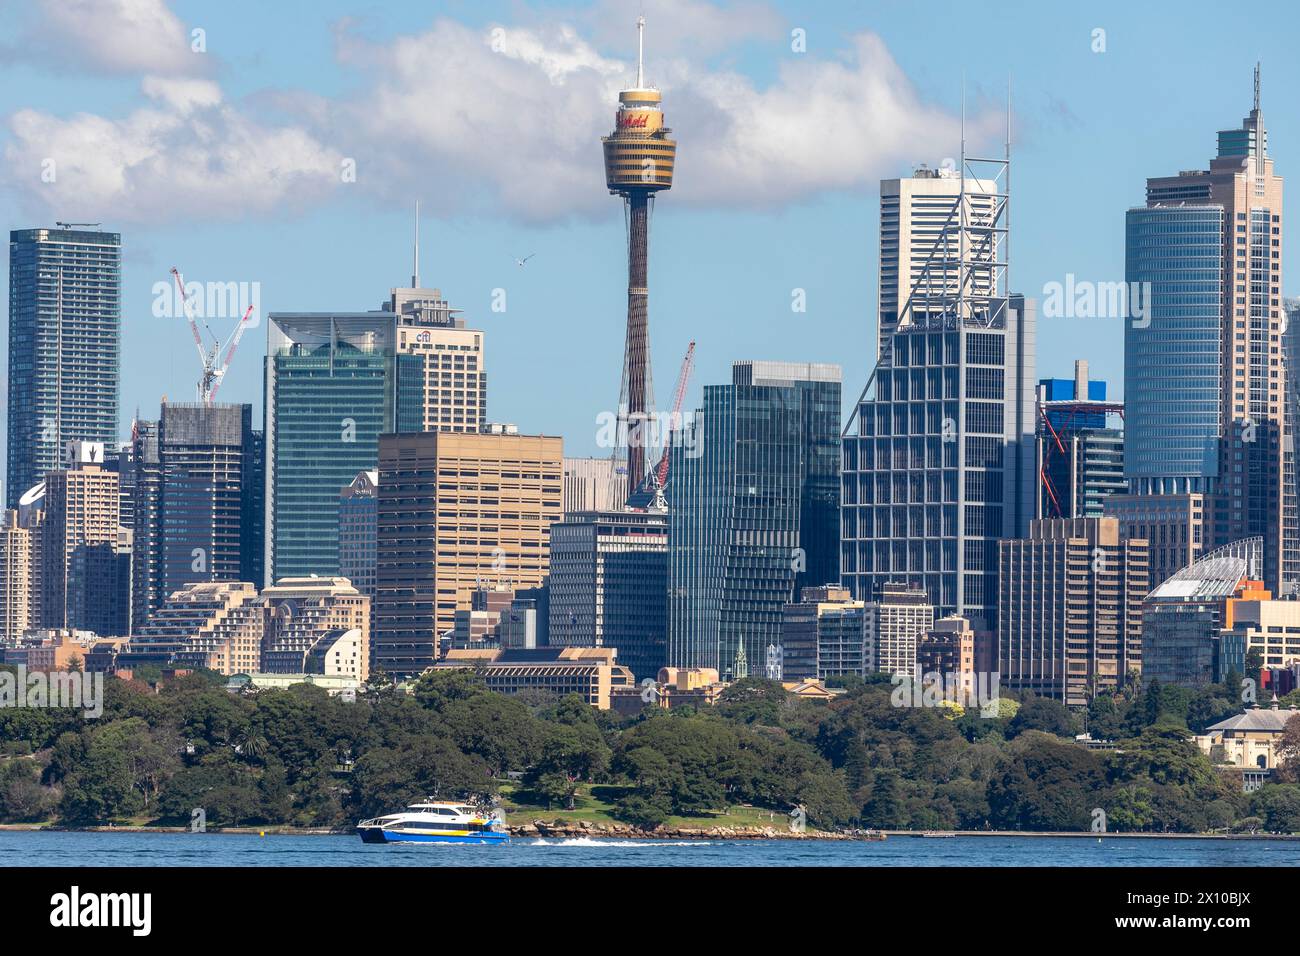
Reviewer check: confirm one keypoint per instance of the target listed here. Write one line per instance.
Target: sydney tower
(638, 163)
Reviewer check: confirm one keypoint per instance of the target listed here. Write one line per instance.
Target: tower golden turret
(639, 159)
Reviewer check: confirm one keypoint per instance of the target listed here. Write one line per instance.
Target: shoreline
(543, 830)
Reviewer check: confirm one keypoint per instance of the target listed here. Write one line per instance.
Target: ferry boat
(434, 822)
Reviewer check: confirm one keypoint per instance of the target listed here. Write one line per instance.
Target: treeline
(301, 758)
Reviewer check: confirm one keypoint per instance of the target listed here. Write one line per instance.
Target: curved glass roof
(1216, 575)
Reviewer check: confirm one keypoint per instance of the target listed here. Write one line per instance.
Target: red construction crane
(214, 367)
(679, 394)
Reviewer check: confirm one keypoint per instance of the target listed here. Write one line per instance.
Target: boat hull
(482, 837)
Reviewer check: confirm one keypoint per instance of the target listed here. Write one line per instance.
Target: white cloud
(513, 117)
(115, 36)
(500, 121)
(189, 156)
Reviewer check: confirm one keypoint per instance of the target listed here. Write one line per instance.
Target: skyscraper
(65, 291)
(1204, 388)
(198, 495)
(358, 521)
(941, 466)
(639, 162)
(334, 383)
(896, 622)
(456, 511)
(753, 514)
(916, 230)
(608, 581)
(1070, 611)
(939, 450)
(823, 634)
(453, 358)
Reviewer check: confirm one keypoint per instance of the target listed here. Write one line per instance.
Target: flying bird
(520, 262)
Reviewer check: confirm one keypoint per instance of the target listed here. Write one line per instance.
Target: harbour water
(19, 848)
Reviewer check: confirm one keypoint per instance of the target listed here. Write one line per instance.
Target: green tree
(886, 809)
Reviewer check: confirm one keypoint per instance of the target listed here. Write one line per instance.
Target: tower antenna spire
(1256, 86)
(415, 252)
(640, 53)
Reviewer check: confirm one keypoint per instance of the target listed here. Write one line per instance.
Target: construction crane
(649, 494)
(214, 367)
(679, 394)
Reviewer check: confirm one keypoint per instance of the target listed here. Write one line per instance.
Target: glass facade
(942, 464)
(65, 320)
(198, 491)
(753, 517)
(334, 384)
(1172, 423)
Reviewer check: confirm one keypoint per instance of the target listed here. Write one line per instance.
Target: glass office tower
(941, 463)
(1172, 423)
(1204, 384)
(334, 383)
(753, 512)
(65, 318)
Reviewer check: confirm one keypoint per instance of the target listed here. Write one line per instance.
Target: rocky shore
(590, 830)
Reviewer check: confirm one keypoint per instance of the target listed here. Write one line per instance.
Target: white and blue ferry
(434, 822)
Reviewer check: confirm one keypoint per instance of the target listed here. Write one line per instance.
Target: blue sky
(226, 163)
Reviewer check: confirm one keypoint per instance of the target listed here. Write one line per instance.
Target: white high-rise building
(916, 212)
(594, 484)
(894, 626)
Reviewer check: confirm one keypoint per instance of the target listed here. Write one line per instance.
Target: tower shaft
(636, 355)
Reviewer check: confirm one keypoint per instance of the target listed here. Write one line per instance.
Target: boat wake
(589, 841)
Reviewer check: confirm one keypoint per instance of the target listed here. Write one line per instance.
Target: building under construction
(1080, 446)
(938, 454)
(639, 157)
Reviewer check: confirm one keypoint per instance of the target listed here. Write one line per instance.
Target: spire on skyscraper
(415, 253)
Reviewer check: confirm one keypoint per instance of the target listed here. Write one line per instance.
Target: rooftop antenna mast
(964, 278)
(415, 253)
(640, 55)
(1259, 128)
